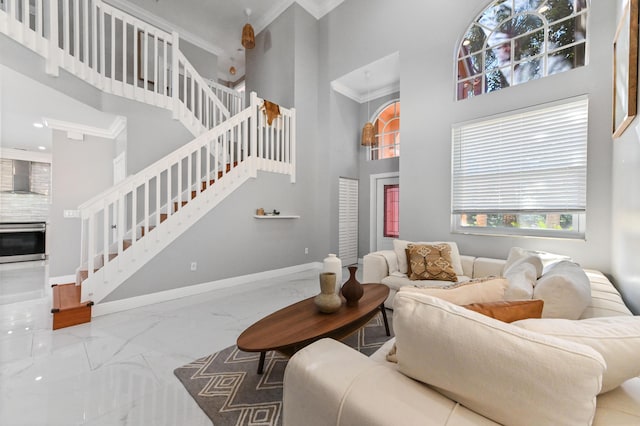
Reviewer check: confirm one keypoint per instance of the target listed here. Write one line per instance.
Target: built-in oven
(20, 242)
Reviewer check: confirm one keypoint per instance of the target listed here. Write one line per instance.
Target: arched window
(387, 136)
(514, 41)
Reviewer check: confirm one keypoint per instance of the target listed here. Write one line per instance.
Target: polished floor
(118, 369)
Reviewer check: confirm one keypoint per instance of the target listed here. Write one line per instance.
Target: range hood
(18, 176)
(21, 177)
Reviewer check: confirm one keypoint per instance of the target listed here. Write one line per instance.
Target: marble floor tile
(118, 369)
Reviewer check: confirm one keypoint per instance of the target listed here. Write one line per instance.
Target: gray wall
(204, 62)
(228, 241)
(80, 170)
(626, 210)
(429, 109)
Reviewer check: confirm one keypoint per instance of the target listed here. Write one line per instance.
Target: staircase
(130, 223)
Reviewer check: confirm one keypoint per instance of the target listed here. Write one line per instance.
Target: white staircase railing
(232, 99)
(125, 226)
(117, 53)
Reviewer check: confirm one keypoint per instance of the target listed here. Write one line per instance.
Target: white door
(387, 212)
(348, 221)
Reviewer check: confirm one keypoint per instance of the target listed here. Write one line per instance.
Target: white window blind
(534, 160)
(348, 221)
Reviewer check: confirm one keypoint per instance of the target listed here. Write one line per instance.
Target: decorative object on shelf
(625, 69)
(368, 133)
(327, 301)
(352, 290)
(332, 263)
(260, 212)
(271, 110)
(275, 212)
(248, 38)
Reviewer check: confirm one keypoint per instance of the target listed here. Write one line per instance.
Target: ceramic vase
(327, 301)
(332, 263)
(352, 290)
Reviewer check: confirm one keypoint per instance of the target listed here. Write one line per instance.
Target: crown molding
(165, 25)
(19, 154)
(347, 91)
(378, 93)
(77, 131)
(271, 15)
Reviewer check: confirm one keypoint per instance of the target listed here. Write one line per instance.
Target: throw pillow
(547, 260)
(617, 339)
(399, 247)
(509, 311)
(474, 291)
(522, 276)
(430, 262)
(565, 289)
(506, 373)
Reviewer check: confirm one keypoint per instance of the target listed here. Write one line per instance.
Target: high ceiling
(216, 25)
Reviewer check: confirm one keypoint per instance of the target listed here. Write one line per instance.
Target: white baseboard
(64, 279)
(164, 296)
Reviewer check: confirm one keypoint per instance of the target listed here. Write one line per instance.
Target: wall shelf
(280, 216)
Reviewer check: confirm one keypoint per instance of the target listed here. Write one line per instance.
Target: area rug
(228, 389)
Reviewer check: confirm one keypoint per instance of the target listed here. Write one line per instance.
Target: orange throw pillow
(509, 311)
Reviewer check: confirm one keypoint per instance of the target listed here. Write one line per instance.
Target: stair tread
(67, 297)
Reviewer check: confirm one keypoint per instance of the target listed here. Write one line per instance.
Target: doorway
(385, 211)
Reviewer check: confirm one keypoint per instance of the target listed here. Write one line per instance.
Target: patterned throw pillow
(430, 262)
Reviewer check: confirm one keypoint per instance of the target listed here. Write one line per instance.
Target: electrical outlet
(306, 250)
(194, 266)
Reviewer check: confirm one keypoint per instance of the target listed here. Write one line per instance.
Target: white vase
(332, 263)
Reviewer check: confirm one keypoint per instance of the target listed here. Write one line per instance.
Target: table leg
(261, 362)
(384, 316)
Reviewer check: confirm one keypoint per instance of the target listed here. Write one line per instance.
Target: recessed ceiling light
(38, 125)
(42, 148)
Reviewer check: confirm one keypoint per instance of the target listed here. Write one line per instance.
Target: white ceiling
(371, 81)
(24, 101)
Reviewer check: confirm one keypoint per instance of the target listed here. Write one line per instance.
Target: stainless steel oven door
(20, 242)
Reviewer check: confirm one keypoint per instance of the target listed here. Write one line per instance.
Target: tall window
(387, 128)
(515, 41)
(524, 173)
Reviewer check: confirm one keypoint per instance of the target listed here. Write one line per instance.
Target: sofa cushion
(616, 338)
(509, 311)
(399, 247)
(605, 299)
(565, 289)
(397, 280)
(506, 373)
(430, 262)
(472, 291)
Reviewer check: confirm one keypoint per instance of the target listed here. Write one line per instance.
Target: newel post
(53, 54)
(253, 119)
(175, 75)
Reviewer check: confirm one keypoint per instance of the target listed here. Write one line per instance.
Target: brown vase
(352, 290)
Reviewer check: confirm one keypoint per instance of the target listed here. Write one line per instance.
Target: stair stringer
(105, 280)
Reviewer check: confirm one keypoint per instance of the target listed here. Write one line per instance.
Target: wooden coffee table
(296, 326)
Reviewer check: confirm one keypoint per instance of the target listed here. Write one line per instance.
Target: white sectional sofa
(328, 383)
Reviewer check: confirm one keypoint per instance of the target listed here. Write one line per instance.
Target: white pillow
(617, 339)
(522, 277)
(506, 373)
(547, 260)
(565, 289)
(399, 246)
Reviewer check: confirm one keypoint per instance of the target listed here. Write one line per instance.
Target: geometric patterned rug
(231, 393)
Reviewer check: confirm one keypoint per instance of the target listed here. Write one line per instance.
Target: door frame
(373, 209)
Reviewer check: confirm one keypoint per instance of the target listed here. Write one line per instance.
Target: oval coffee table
(296, 326)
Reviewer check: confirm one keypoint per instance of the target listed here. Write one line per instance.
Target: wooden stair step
(67, 308)
(175, 205)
